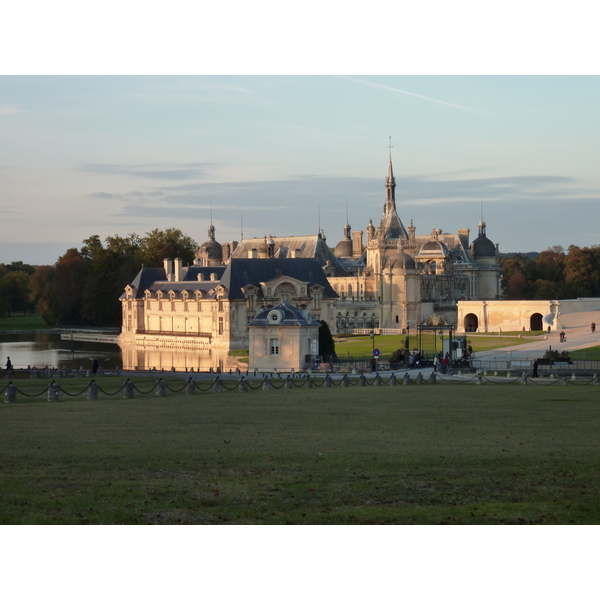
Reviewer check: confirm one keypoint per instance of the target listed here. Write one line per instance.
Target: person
(373, 365)
(9, 366)
(95, 366)
(499, 330)
(593, 327)
(523, 327)
(435, 363)
(411, 360)
(535, 368)
(470, 351)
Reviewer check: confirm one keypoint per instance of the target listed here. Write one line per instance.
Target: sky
(278, 154)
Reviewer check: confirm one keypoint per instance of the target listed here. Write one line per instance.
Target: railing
(177, 333)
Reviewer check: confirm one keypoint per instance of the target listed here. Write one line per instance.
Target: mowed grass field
(429, 454)
(362, 345)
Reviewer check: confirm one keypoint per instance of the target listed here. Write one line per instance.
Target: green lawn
(418, 454)
(592, 353)
(22, 323)
(362, 345)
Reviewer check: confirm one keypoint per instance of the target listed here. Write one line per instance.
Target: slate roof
(239, 273)
(292, 316)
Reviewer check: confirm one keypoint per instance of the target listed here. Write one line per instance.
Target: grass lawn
(592, 353)
(19, 323)
(420, 454)
(362, 345)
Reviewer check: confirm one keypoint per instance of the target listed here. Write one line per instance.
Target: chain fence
(243, 384)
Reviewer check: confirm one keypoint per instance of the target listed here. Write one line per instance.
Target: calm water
(47, 349)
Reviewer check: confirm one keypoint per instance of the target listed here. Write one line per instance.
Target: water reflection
(48, 349)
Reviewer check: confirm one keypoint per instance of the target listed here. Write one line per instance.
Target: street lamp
(372, 336)
(407, 335)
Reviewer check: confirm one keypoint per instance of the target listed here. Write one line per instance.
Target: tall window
(274, 344)
(220, 325)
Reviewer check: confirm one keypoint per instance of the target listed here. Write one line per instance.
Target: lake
(48, 349)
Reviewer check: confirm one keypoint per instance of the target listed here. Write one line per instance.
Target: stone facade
(394, 280)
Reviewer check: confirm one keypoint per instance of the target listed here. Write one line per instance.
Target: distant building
(395, 279)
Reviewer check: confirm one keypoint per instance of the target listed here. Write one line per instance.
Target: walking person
(593, 327)
(435, 363)
(535, 368)
(9, 366)
(95, 365)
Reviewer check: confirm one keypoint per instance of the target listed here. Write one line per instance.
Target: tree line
(83, 286)
(553, 275)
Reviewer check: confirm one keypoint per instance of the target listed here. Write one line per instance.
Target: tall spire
(391, 227)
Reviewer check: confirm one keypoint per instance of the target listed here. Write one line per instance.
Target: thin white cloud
(10, 110)
(399, 91)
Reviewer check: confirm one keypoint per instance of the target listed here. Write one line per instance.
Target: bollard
(406, 380)
(266, 386)
(78, 374)
(508, 373)
(353, 371)
(161, 388)
(563, 381)
(433, 378)
(118, 371)
(218, 387)
(190, 387)
(495, 373)
(128, 389)
(327, 381)
(308, 382)
(33, 373)
(479, 379)
(92, 390)
(10, 393)
(393, 380)
(595, 379)
(524, 378)
(377, 381)
(243, 387)
(573, 377)
(362, 380)
(53, 390)
(288, 383)
(345, 380)
(419, 379)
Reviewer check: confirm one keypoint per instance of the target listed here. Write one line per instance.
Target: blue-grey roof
(292, 317)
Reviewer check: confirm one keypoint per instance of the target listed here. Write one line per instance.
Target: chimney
(178, 269)
(200, 276)
(213, 277)
(168, 263)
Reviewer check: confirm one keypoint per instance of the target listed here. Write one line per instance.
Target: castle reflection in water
(144, 359)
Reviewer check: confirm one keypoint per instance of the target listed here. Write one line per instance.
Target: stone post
(595, 379)
(345, 380)
(33, 373)
(243, 387)
(432, 377)
(573, 377)
(190, 387)
(218, 387)
(479, 379)
(377, 380)
(406, 380)
(327, 381)
(10, 393)
(53, 392)
(289, 384)
(362, 382)
(563, 381)
(266, 386)
(161, 388)
(419, 379)
(92, 391)
(393, 380)
(308, 382)
(128, 389)
(524, 379)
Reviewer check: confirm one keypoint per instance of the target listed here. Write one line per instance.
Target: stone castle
(392, 280)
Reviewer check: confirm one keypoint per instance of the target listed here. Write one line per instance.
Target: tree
(326, 343)
(14, 288)
(42, 294)
(171, 243)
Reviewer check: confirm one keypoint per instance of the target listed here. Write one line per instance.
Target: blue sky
(107, 155)
(85, 155)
